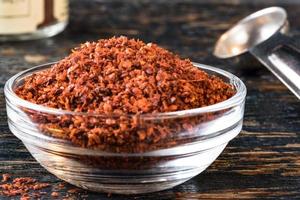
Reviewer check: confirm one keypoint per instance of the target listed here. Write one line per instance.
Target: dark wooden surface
(263, 162)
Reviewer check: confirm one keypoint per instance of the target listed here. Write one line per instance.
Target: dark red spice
(117, 77)
(60, 186)
(55, 194)
(25, 187)
(74, 190)
(5, 177)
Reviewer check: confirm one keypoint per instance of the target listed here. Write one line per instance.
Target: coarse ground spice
(121, 79)
(54, 194)
(25, 187)
(5, 177)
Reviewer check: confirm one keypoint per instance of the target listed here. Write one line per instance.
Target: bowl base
(157, 184)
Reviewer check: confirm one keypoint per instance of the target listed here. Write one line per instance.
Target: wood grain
(263, 162)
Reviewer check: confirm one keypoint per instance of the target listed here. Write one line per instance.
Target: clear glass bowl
(192, 140)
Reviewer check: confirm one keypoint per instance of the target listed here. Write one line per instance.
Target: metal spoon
(261, 34)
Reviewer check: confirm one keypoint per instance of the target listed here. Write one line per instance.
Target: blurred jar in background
(32, 19)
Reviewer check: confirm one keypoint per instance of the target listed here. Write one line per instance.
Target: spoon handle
(281, 55)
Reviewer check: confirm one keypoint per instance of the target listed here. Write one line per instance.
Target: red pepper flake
(121, 76)
(55, 194)
(25, 187)
(74, 190)
(5, 177)
(60, 186)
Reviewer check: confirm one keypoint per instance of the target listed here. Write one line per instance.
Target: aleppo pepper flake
(5, 178)
(117, 77)
(25, 187)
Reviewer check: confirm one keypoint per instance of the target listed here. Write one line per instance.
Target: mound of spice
(120, 79)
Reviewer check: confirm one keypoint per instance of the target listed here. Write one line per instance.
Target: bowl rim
(235, 100)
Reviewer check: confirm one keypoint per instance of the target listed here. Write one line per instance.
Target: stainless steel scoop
(262, 34)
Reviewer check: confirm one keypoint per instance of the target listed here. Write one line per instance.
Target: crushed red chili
(54, 194)
(117, 77)
(25, 187)
(5, 177)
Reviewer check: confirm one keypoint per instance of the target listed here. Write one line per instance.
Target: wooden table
(263, 162)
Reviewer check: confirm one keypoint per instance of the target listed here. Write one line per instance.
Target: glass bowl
(184, 143)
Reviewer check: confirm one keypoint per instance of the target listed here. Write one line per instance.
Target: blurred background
(188, 27)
